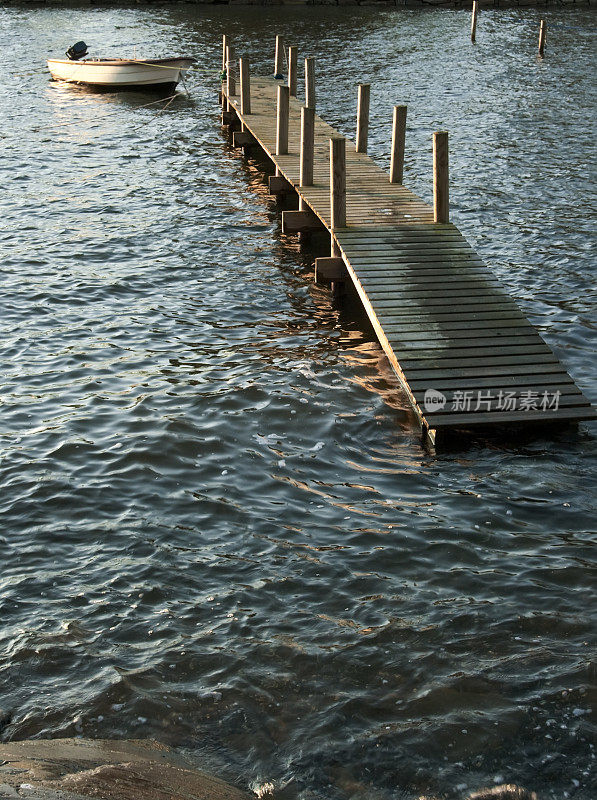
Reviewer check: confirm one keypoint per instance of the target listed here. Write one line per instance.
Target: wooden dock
(461, 348)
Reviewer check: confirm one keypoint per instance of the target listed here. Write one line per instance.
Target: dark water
(219, 526)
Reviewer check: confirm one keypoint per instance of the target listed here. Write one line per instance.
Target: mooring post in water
(310, 82)
(474, 20)
(292, 68)
(282, 121)
(542, 35)
(398, 144)
(337, 187)
(230, 82)
(279, 62)
(245, 86)
(441, 197)
(363, 117)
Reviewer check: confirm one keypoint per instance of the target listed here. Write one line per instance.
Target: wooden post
(307, 145)
(337, 187)
(282, 121)
(292, 67)
(231, 83)
(245, 86)
(279, 63)
(474, 20)
(542, 34)
(441, 197)
(310, 82)
(224, 45)
(398, 142)
(363, 117)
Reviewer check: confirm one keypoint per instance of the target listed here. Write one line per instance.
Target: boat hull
(111, 75)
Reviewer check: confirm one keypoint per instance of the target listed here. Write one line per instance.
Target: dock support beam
(278, 185)
(301, 221)
(474, 21)
(229, 118)
(330, 270)
(363, 117)
(245, 86)
(310, 83)
(279, 62)
(282, 121)
(243, 139)
(441, 197)
(542, 35)
(292, 68)
(398, 144)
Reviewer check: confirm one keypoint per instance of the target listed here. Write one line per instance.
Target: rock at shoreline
(76, 769)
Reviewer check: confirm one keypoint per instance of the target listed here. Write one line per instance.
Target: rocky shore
(76, 769)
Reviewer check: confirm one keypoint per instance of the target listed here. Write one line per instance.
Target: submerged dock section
(460, 346)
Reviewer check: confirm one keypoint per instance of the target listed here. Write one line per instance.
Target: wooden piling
(282, 120)
(292, 69)
(245, 86)
(474, 20)
(441, 197)
(279, 62)
(363, 117)
(310, 82)
(230, 81)
(307, 145)
(222, 76)
(337, 187)
(542, 35)
(398, 144)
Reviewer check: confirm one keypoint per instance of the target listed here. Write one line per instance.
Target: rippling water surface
(219, 526)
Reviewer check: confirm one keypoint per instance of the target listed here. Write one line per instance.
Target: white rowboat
(106, 73)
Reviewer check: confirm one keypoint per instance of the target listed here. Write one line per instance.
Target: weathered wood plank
(475, 394)
(443, 347)
(332, 269)
(444, 340)
(517, 326)
(436, 373)
(504, 417)
(412, 300)
(413, 362)
(462, 383)
(437, 312)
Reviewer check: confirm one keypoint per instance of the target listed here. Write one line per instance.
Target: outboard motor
(77, 51)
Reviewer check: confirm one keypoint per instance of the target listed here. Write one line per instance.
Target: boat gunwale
(120, 62)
